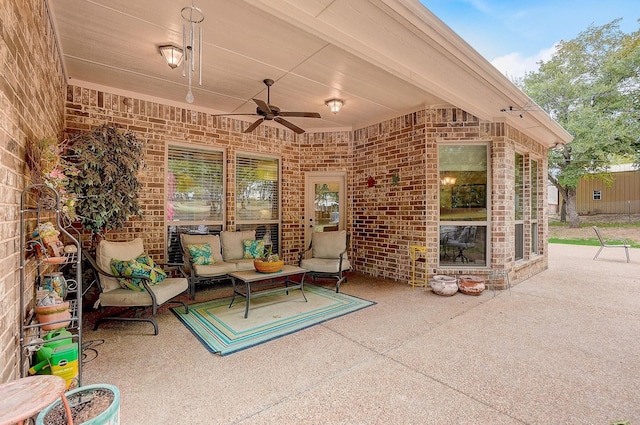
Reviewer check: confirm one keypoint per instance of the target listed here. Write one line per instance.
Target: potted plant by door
(97, 404)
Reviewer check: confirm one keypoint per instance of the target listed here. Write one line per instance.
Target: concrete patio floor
(562, 347)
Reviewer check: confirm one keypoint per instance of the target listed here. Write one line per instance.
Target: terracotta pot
(268, 267)
(471, 285)
(53, 313)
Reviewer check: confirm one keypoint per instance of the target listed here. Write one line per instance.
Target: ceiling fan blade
(262, 105)
(300, 114)
(253, 126)
(231, 115)
(289, 125)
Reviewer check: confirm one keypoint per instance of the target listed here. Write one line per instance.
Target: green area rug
(224, 330)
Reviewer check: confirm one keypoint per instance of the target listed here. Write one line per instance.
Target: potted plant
(90, 405)
(48, 166)
(269, 263)
(103, 175)
(54, 312)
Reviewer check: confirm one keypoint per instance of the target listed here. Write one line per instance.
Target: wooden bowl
(264, 267)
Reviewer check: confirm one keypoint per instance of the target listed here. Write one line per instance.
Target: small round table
(23, 398)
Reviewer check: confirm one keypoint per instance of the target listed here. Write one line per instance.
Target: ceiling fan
(269, 112)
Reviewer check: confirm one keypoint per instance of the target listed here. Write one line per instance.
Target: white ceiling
(382, 57)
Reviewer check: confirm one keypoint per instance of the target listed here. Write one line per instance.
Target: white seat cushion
(123, 251)
(325, 265)
(213, 241)
(163, 291)
(232, 246)
(242, 265)
(328, 244)
(215, 269)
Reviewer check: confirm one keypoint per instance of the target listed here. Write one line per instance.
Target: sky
(514, 35)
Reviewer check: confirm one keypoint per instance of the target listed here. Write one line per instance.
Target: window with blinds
(519, 206)
(534, 205)
(258, 196)
(195, 185)
(195, 194)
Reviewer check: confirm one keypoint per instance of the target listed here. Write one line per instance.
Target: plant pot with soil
(97, 404)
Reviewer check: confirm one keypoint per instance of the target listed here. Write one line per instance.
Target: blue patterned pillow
(201, 253)
(131, 272)
(253, 248)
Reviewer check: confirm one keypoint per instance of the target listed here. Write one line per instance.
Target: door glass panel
(326, 206)
(325, 203)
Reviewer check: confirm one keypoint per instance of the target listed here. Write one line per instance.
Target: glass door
(325, 204)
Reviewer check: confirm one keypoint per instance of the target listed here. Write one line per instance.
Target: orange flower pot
(53, 313)
(268, 267)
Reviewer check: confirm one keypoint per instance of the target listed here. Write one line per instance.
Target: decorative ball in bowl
(267, 266)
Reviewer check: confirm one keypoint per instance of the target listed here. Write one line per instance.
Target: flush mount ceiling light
(171, 54)
(334, 105)
(192, 17)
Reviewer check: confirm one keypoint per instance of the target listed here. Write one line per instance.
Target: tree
(103, 174)
(591, 86)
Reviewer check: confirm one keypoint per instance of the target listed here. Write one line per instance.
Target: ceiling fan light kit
(335, 105)
(268, 112)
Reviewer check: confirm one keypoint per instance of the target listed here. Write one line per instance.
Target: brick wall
(157, 125)
(384, 219)
(388, 218)
(31, 107)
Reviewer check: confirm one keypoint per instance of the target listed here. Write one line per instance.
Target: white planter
(444, 285)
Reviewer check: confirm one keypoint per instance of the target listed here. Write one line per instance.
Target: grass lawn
(591, 242)
(616, 229)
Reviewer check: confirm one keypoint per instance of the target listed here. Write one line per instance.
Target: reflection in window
(463, 182)
(327, 206)
(464, 201)
(464, 245)
(194, 185)
(258, 196)
(195, 195)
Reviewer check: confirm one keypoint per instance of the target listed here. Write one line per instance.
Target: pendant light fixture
(334, 105)
(172, 55)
